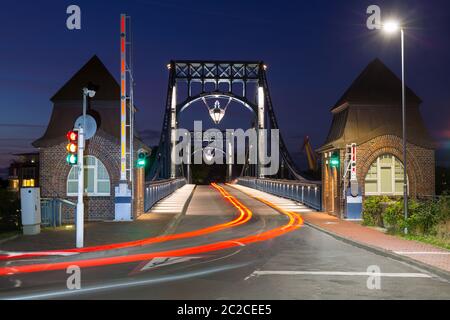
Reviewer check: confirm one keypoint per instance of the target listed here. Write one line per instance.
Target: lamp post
(79, 222)
(393, 27)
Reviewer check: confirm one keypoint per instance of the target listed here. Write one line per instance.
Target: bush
(423, 217)
(373, 211)
(444, 207)
(393, 218)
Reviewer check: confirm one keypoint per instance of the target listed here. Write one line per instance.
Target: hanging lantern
(217, 113)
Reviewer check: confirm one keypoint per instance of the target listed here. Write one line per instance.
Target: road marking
(161, 262)
(339, 273)
(129, 284)
(424, 252)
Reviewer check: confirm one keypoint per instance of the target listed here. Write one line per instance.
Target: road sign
(91, 126)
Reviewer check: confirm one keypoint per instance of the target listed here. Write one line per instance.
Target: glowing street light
(392, 27)
(217, 113)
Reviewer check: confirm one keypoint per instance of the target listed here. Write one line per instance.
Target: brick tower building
(370, 115)
(102, 152)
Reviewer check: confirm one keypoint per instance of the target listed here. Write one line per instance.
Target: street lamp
(79, 220)
(392, 27)
(217, 113)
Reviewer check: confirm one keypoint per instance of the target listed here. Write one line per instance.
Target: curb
(9, 238)
(178, 217)
(385, 253)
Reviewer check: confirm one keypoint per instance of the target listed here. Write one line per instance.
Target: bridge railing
(309, 194)
(157, 190)
(55, 211)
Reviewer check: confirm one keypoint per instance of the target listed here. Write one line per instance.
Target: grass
(435, 241)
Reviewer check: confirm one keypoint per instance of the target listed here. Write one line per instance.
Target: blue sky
(313, 49)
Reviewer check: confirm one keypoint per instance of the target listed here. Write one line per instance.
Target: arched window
(96, 179)
(385, 176)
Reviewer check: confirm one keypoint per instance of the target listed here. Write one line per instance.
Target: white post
(229, 150)
(80, 204)
(173, 127)
(123, 100)
(261, 136)
(405, 174)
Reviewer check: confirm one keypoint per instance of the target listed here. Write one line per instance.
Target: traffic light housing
(72, 147)
(141, 159)
(334, 160)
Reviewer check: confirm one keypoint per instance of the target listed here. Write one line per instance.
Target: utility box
(122, 203)
(30, 201)
(354, 205)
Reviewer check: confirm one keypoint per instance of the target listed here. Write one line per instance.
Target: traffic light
(334, 160)
(72, 147)
(141, 159)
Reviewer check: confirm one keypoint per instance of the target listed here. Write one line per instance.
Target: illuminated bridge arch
(222, 79)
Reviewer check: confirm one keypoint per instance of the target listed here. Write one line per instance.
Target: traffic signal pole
(80, 203)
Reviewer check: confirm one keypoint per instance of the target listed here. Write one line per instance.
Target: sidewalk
(423, 255)
(368, 237)
(95, 233)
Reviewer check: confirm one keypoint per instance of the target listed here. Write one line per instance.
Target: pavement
(425, 255)
(148, 225)
(95, 233)
(303, 264)
(173, 204)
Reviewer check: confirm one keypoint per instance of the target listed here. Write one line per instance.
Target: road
(301, 264)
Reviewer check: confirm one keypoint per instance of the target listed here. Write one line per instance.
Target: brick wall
(420, 162)
(420, 168)
(54, 171)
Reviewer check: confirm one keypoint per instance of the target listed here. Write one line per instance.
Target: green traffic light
(334, 161)
(72, 159)
(140, 163)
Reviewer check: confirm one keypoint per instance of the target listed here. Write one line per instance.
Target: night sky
(314, 50)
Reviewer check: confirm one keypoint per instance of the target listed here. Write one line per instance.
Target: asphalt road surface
(302, 264)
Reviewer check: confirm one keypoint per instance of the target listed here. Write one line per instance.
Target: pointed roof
(93, 75)
(67, 104)
(377, 84)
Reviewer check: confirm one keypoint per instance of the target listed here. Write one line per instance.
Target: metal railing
(52, 211)
(308, 194)
(157, 190)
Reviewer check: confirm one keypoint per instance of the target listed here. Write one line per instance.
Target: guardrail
(52, 211)
(157, 190)
(307, 193)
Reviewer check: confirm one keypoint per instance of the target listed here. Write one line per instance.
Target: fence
(157, 190)
(52, 211)
(307, 193)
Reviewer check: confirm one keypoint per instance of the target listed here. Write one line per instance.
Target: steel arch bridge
(218, 79)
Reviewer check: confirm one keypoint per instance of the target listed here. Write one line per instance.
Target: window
(28, 183)
(385, 177)
(96, 178)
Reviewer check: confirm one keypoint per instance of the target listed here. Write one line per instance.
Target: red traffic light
(72, 135)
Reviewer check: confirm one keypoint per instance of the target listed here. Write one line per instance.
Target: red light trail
(295, 222)
(244, 216)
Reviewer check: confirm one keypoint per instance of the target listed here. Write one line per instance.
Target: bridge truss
(218, 79)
